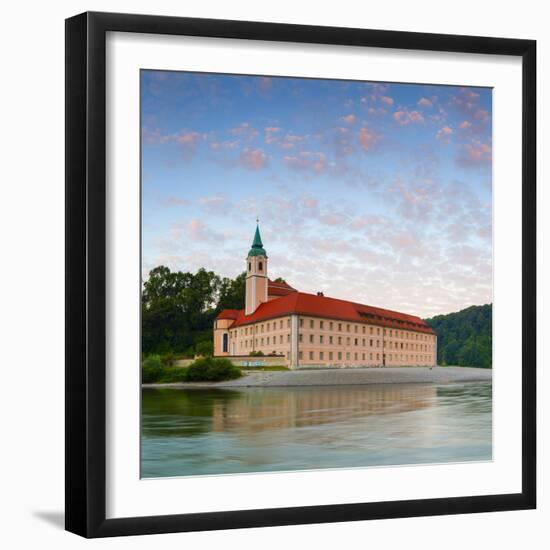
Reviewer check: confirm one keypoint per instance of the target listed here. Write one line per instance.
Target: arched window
(260, 266)
(249, 266)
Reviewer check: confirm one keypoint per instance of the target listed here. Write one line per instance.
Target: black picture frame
(86, 284)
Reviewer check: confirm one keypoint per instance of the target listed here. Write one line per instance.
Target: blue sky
(374, 192)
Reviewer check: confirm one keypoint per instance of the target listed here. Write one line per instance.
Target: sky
(379, 193)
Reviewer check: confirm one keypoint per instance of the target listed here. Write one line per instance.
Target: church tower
(256, 275)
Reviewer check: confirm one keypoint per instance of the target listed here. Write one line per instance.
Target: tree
(465, 337)
(178, 309)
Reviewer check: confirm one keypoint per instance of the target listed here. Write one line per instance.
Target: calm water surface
(191, 432)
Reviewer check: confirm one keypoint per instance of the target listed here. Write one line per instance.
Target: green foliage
(205, 369)
(152, 369)
(178, 309)
(208, 369)
(465, 337)
(256, 354)
(204, 348)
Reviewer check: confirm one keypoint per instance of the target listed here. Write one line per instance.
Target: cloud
(174, 201)
(265, 83)
(444, 134)
(467, 103)
(349, 119)
(307, 160)
(367, 138)
(475, 154)
(196, 231)
(465, 124)
(253, 159)
(224, 144)
(386, 99)
(405, 117)
(424, 102)
(213, 205)
(245, 130)
(187, 140)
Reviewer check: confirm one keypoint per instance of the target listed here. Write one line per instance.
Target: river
(214, 431)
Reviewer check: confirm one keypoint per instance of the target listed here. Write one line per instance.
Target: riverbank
(335, 377)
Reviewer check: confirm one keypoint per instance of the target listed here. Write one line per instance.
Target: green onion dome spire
(257, 246)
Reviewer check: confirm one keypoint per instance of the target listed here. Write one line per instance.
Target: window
(268, 340)
(311, 323)
(225, 342)
(347, 327)
(321, 356)
(301, 323)
(311, 338)
(339, 327)
(339, 340)
(347, 355)
(311, 356)
(339, 355)
(356, 341)
(356, 329)
(330, 325)
(371, 333)
(262, 342)
(260, 266)
(300, 355)
(280, 324)
(377, 331)
(363, 342)
(370, 356)
(378, 357)
(288, 323)
(281, 339)
(363, 356)
(371, 342)
(321, 325)
(249, 266)
(321, 339)
(300, 338)
(330, 355)
(288, 337)
(330, 339)
(364, 330)
(348, 341)
(355, 356)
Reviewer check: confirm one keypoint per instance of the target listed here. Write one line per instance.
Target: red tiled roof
(228, 314)
(300, 303)
(278, 288)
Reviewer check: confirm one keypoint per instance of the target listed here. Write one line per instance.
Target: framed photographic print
(300, 274)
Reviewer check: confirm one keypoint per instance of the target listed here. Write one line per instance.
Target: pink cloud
(386, 99)
(407, 117)
(424, 102)
(367, 138)
(444, 134)
(174, 201)
(227, 144)
(244, 130)
(465, 124)
(253, 159)
(475, 154)
(349, 119)
(307, 160)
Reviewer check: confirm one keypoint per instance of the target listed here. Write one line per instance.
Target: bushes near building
(204, 369)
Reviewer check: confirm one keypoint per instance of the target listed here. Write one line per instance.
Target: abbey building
(313, 329)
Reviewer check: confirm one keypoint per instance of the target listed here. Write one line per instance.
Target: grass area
(205, 369)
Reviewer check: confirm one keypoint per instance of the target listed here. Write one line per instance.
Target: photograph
(316, 273)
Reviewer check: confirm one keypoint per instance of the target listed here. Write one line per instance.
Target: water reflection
(188, 432)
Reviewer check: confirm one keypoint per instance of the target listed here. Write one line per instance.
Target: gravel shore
(330, 377)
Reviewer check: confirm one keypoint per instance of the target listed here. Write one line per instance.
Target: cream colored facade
(310, 341)
(307, 340)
